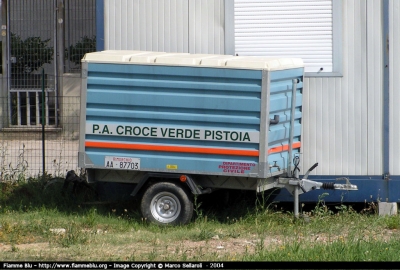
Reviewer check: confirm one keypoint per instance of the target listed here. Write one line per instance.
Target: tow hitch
(297, 186)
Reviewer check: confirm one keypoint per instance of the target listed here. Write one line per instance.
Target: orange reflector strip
(283, 148)
(179, 149)
(187, 149)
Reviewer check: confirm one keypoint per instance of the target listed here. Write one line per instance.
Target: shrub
(29, 54)
(76, 52)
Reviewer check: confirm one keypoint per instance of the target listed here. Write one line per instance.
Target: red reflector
(183, 178)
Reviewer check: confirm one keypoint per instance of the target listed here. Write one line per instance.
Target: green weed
(197, 209)
(90, 218)
(73, 235)
(321, 209)
(392, 222)
(205, 234)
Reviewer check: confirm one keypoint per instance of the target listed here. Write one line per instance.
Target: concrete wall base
(386, 208)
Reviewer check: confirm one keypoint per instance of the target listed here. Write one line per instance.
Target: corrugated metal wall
(394, 81)
(146, 25)
(206, 26)
(168, 25)
(343, 115)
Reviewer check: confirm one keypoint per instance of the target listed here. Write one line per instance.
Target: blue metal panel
(370, 188)
(122, 98)
(180, 97)
(281, 90)
(99, 25)
(154, 161)
(393, 187)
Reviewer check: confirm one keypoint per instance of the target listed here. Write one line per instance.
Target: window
(309, 29)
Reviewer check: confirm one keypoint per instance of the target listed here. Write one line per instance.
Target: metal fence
(26, 107)
(80, 32)
(37, 43)
(21, 148)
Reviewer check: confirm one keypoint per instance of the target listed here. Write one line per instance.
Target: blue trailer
(179, 125)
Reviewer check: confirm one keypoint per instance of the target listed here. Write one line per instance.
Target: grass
(43, 225)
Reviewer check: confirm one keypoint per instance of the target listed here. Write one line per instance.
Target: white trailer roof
(112, 56)
(268, 63)
(186, 59)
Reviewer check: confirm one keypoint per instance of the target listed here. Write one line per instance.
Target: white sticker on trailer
(123, 163)
(173, 132)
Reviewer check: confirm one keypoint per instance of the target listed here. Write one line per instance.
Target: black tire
(166, 203)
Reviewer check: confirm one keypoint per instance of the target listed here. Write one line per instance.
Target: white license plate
(124, 163)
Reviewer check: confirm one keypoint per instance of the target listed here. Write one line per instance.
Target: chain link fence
(21, 148)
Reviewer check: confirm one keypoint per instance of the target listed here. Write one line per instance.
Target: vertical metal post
(264, 124)
(291, 133)
(386, 92)
(296, 202)
(47, 110)
(43, 124)
(28, 109)
(295, 174)
(60, 38)
(4, 89)
(229, 27)
(99, 25)
(4, 36)
(60, 48)
(19, 108)
(37, 108)
(6, 61)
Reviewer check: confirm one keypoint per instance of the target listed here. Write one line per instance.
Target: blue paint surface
(370, 189)
(189, 98)
(99, 25)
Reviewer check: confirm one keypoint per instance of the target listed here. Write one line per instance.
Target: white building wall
(394, 86)
(146, 25)
(167, 25)
(206, 26)
(343, 115)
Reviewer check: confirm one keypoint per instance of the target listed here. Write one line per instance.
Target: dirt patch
(22, 247)
(225, 248)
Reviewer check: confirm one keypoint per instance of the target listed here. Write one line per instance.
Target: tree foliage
(76, 52)
(30, 54)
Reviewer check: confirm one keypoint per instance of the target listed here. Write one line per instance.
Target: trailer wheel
(166, 203)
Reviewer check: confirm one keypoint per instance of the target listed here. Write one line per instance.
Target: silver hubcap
(165, 207)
